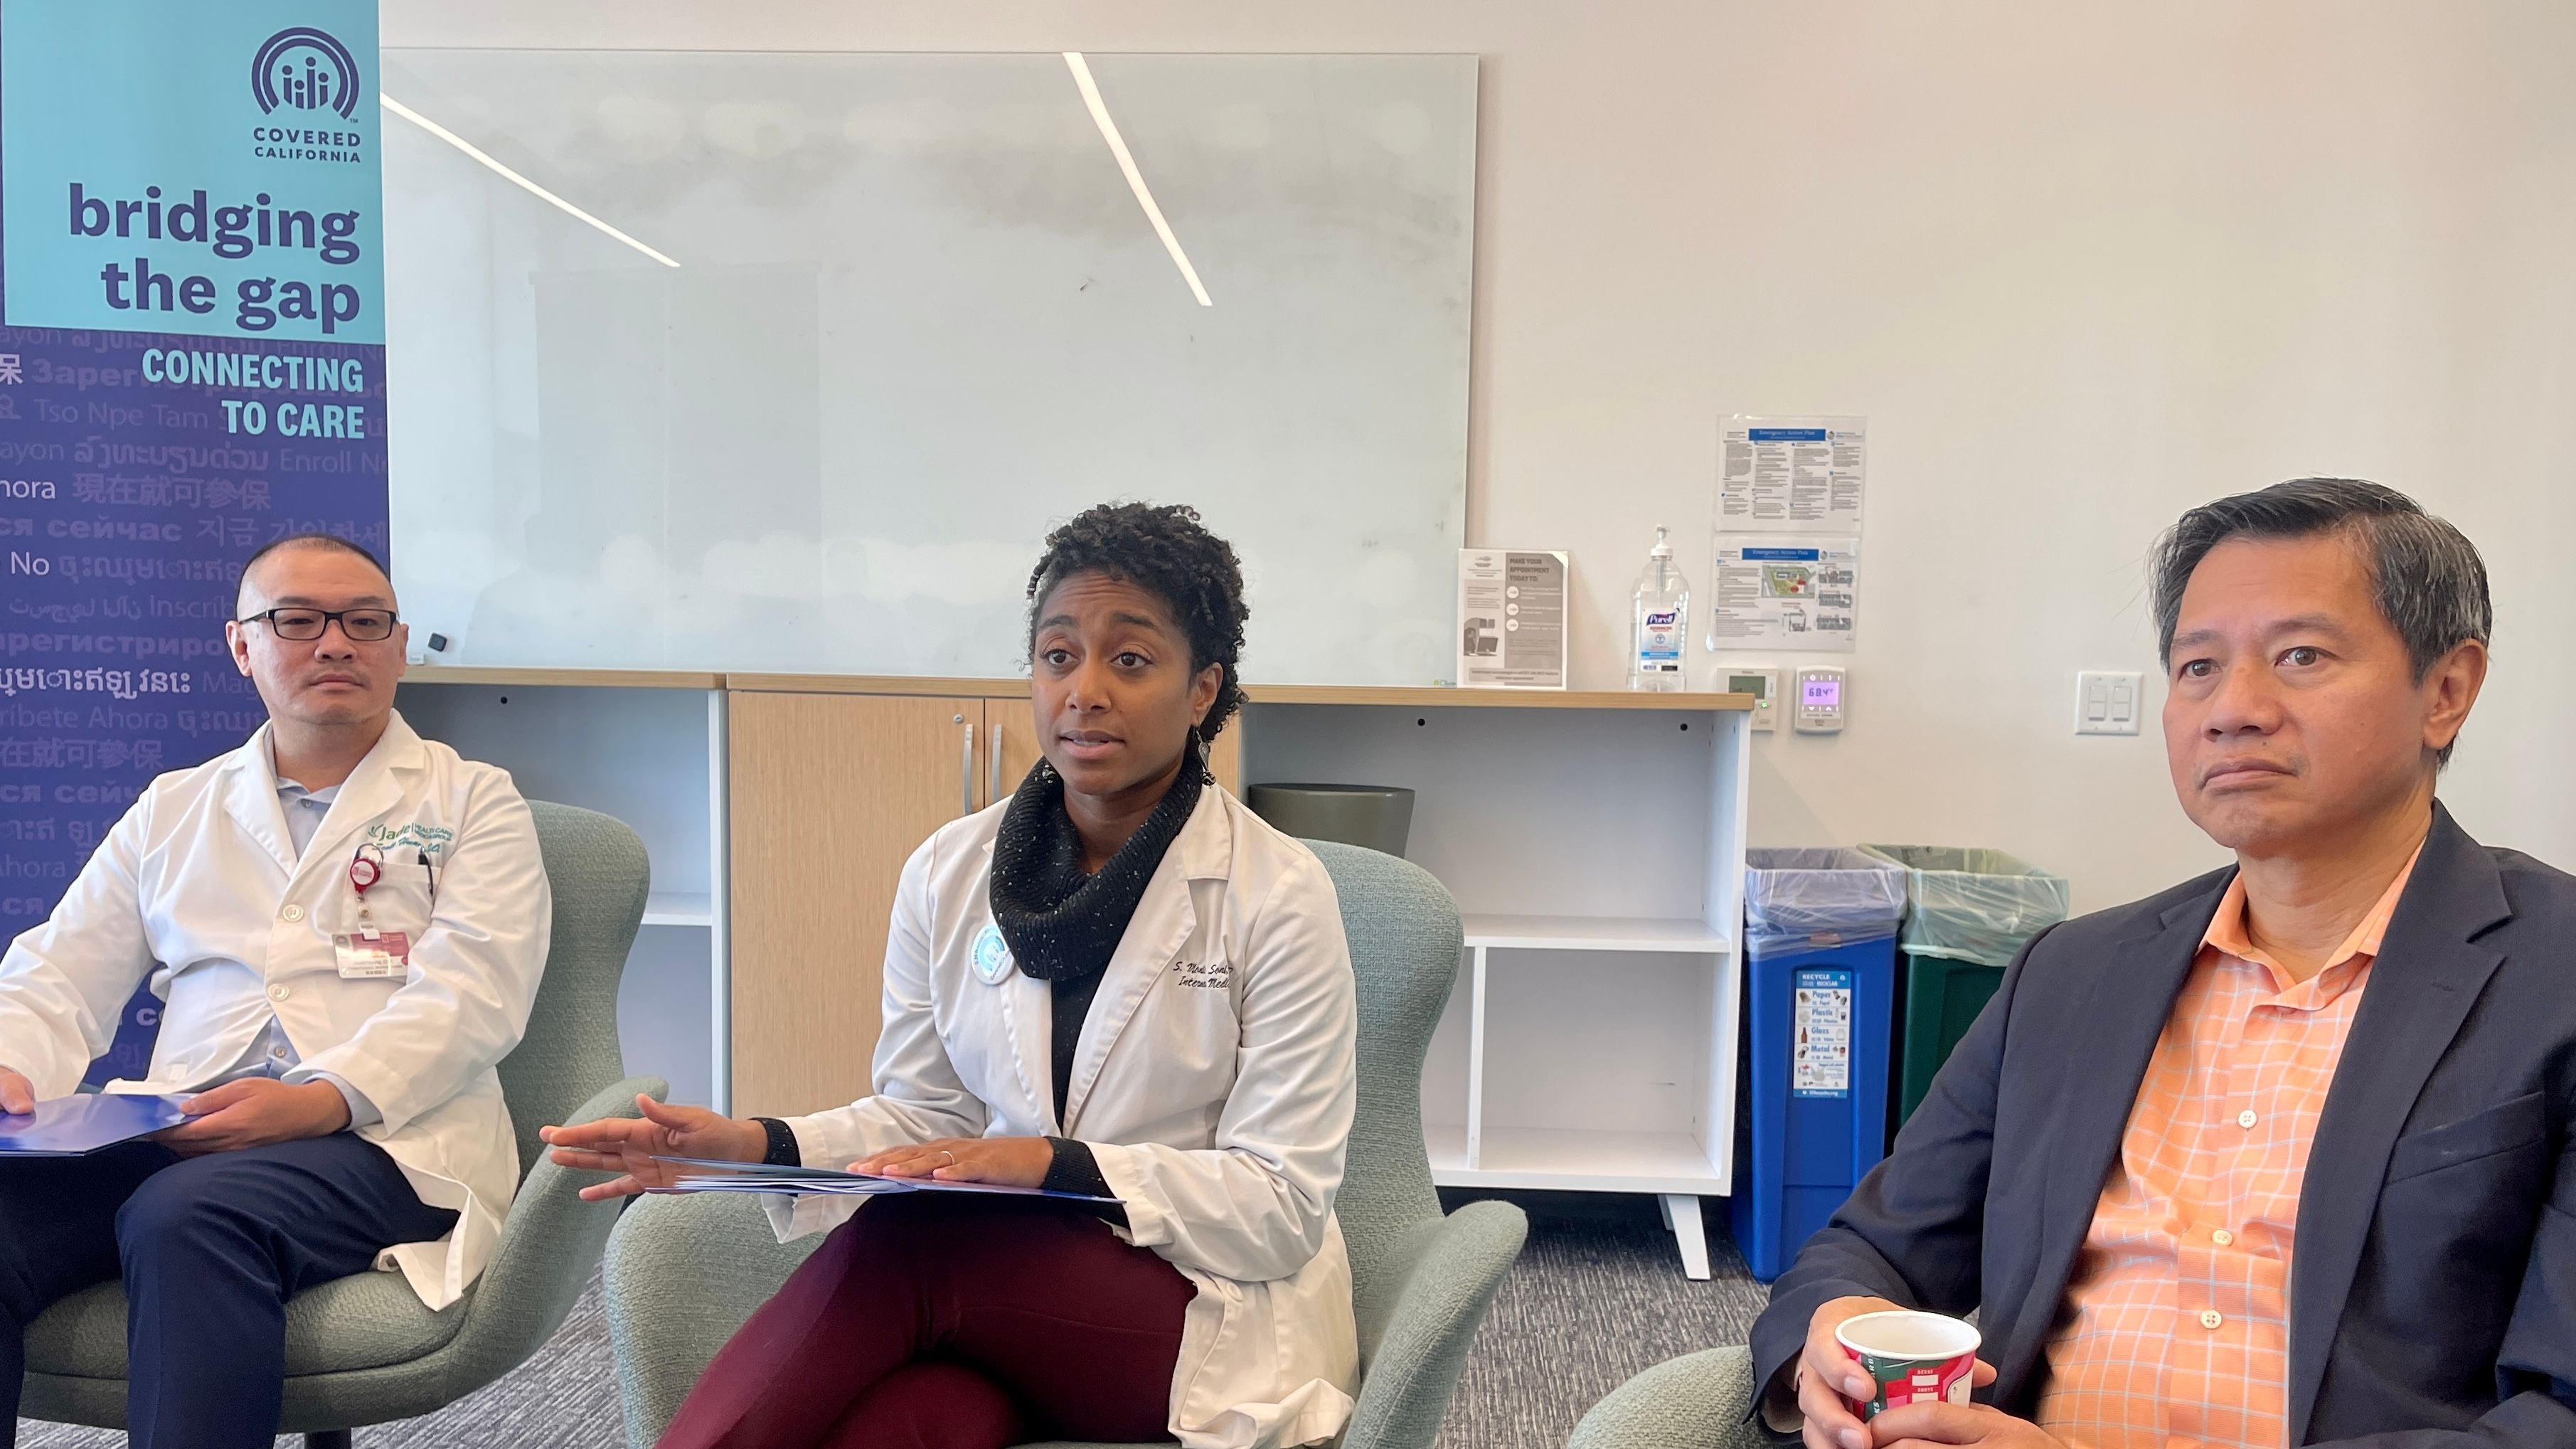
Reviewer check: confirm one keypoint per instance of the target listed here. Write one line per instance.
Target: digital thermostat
(1819, 703)
(1764, 686)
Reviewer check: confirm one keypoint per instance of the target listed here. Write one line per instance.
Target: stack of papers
(722, 1176)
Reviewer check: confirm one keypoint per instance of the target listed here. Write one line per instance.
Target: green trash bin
(1967, 912)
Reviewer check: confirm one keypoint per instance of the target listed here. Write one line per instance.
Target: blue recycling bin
(1820, 986)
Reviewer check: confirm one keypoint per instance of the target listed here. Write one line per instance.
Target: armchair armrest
(1698, 1401)
(1458, 1262)
(684, 1271)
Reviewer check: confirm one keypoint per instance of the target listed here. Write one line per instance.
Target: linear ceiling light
(1081, 69)
(514, 178)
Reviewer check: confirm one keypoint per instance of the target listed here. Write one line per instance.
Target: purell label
(1659, 643)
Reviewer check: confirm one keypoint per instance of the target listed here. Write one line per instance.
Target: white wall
(2081, 267)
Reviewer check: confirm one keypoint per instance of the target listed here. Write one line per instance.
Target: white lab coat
(1214, 1082)
(201, 867)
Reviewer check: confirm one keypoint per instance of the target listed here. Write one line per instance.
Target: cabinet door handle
(994, 745)
(966, 776)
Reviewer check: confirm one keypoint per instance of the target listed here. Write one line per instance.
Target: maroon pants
(946, 1321)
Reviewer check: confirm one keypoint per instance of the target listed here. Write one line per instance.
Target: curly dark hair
(1164, 550)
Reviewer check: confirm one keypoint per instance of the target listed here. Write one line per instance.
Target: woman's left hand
(1006, 1161)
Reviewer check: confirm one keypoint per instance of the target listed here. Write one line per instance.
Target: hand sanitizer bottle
(1661, 622)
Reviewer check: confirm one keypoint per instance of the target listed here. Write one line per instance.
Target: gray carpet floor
(1598, 1295)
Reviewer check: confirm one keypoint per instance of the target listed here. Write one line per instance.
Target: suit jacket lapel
(2426, 977)
(2132, 998)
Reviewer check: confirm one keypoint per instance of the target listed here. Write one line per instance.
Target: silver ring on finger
(951, 1156)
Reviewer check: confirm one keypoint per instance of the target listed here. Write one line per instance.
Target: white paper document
(1792, 475)
(1785, 592)
(1511, 618)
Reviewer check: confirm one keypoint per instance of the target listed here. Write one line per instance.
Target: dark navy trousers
(210, 1249)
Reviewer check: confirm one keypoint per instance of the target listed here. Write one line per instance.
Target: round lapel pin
(992, 957)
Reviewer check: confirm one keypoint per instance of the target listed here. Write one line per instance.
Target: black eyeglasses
(363, 626)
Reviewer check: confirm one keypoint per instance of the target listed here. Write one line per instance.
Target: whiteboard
(918, 316)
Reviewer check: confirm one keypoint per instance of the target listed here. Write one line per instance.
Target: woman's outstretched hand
(1009, 1161)
(628, 1146)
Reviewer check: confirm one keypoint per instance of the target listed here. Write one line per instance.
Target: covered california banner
(191, 364)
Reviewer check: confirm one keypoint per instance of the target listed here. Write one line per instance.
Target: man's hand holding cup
(1849, 1371)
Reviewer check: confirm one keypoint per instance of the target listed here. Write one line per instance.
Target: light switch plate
(2109, 701)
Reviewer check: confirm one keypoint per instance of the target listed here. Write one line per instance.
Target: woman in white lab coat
(1119, 983)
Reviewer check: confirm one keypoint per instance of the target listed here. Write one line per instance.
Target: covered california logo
(309, 76)
(307, 70)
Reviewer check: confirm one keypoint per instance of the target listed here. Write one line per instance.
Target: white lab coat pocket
(398, 901)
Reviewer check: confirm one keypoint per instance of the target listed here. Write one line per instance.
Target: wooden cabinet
(830, 794)
(1010, 746)
(831, 791)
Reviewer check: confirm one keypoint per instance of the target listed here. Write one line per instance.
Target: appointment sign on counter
(191, 364)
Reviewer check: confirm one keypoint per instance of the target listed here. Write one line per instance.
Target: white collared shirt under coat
(1214, 1082)
(201, 870)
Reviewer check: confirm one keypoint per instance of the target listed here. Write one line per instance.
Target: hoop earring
(1199, 747)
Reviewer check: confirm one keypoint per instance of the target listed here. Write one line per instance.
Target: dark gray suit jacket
(2433, 1287)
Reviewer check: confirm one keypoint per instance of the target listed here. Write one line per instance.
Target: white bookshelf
(1593, 933)
(680, 908)
(647, 747)
(1576, 1159)
(1595, 846)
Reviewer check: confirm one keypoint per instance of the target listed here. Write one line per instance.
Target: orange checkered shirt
(2180, 1325)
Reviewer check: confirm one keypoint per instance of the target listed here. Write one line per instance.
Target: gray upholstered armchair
(1697, 1401)
(684, 1272)
(363, 1350)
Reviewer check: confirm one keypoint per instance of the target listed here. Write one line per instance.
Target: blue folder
(78, 1126)
(724, 1176)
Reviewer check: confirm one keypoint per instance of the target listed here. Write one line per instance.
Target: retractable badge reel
(365, 869)
(372, 952)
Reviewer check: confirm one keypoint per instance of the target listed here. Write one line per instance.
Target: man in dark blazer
(2324, 641)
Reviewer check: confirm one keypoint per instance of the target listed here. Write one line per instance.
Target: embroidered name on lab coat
(427, 839)
(1215, 974)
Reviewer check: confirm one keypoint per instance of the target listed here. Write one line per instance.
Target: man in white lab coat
(346, 924)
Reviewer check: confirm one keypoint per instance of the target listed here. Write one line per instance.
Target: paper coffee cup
(1911, 1357)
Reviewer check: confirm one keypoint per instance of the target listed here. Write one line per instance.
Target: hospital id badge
(374, 956)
